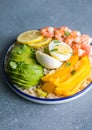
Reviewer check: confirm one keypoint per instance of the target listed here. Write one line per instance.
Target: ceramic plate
(36, 99)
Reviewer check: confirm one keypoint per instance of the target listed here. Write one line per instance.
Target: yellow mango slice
(75, 89)
(62, 72)
(48, 87)
(48, 76)
(84, 70)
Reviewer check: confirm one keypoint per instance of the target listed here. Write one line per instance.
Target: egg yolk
(62, 49)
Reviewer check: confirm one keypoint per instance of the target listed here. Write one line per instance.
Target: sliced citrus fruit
(29, 37)
(41, 43)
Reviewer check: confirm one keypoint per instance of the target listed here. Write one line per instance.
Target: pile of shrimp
(81, 44)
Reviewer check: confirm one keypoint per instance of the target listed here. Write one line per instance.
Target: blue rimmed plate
(36, 99)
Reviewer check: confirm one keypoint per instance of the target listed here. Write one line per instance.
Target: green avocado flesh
(22, 67)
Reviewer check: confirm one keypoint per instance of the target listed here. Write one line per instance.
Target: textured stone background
(17, 16)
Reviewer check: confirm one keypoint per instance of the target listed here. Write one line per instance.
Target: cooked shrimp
(81, 48)
(85, 39)
(73, 37)
(82, 52)
(63, 29)
(85, 44)
(47, 32)
(60, 33)
(69, 40)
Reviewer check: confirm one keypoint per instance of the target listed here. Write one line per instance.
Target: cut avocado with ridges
(22, 67)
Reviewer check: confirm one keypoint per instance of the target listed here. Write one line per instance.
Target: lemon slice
(43, 42)
(29, 37)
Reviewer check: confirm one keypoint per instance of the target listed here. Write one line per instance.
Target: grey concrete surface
(17, 16)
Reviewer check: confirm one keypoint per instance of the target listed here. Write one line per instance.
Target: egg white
(47, 61)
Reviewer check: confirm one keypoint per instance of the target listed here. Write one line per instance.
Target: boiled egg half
(47, 61)
(60, 50)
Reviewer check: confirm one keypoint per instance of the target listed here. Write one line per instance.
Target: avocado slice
(22, 67)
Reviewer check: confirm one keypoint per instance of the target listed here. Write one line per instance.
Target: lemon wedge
(29, 37)
(41, 43)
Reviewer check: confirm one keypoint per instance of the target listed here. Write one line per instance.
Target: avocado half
(22, 67)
